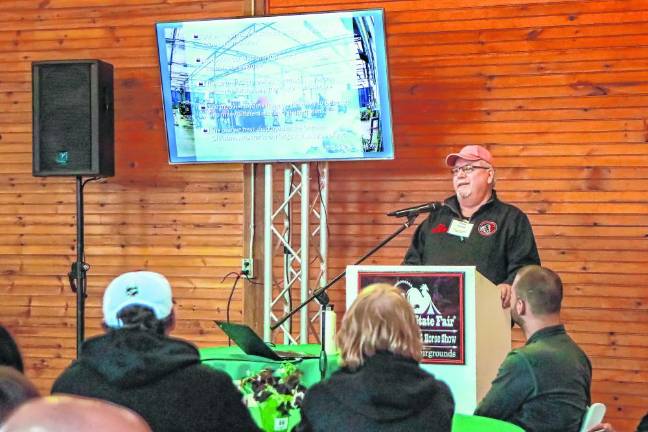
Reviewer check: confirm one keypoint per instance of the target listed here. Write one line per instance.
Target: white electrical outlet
(247, 268)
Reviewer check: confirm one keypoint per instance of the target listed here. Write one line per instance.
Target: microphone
(422, 208)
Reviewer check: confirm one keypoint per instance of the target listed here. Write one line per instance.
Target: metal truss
(302, 255)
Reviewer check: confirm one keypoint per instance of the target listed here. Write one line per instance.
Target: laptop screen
(252, 344)
(247, 340)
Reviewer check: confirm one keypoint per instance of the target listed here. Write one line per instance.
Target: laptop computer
(252, 344)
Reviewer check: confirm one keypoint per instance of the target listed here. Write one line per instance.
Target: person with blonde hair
(380, 386)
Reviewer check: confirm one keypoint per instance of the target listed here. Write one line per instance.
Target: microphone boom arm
(322, 290)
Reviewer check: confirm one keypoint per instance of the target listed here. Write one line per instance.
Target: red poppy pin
(487, 228)
(441, 228)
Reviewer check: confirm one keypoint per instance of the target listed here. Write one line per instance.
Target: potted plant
(276, 396)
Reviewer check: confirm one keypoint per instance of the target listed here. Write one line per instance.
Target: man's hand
(602, 427)
(505, 294)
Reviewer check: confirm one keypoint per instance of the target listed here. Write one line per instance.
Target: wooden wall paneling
(183, 221)
(558, 91)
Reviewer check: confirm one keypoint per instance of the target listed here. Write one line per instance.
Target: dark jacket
(643, 424)
(543, 386)
(9, 352)
(388, 393)
(500, 243)
(158, 377)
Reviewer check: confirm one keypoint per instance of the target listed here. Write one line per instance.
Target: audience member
(15, 389)
(602, 427)
(643, 424)
(607, 427)
(545, 385)
(137, 365)
(9, 352)
(380, 386)
(73, 414)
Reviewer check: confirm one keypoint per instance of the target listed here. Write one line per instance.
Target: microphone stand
(323, 299)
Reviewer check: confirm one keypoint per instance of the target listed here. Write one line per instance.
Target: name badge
(460, 228)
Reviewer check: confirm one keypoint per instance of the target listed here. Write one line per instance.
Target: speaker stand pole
(77, 275)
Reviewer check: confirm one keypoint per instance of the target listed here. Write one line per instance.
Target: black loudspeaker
(73, 118)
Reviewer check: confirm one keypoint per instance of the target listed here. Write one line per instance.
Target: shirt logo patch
(487, 228)
(441, 228)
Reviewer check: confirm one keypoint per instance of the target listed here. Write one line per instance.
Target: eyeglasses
(466, 169)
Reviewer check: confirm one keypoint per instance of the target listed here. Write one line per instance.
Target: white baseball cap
(143, 288)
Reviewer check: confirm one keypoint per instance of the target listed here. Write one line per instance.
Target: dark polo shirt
(500, 243)
(543, 386)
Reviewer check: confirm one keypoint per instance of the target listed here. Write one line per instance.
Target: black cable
(231, 295)
(274, 282)
(323, 298)
(288, 266)
(319, 189)
(83, 183)
(229, 299)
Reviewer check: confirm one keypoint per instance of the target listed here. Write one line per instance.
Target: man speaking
(473, 227)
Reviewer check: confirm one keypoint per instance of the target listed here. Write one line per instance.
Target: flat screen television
(306, 87)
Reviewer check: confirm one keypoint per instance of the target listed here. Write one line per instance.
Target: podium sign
(465, 333)
(438, 302)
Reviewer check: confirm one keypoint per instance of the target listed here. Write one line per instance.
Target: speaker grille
(73, 118)
(64, 117)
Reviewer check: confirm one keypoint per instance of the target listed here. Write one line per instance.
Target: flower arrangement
(279, 395)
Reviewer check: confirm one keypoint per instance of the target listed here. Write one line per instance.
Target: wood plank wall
(558, 90)
(184, 221)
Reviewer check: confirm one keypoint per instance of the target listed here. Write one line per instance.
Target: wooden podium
(465, 332)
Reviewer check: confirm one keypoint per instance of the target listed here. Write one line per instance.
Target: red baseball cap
(470, 153)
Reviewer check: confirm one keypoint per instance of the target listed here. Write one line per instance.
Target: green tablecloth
(239, 365)
(468, 423)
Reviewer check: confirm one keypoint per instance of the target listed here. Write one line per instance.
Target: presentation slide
(284, 88)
